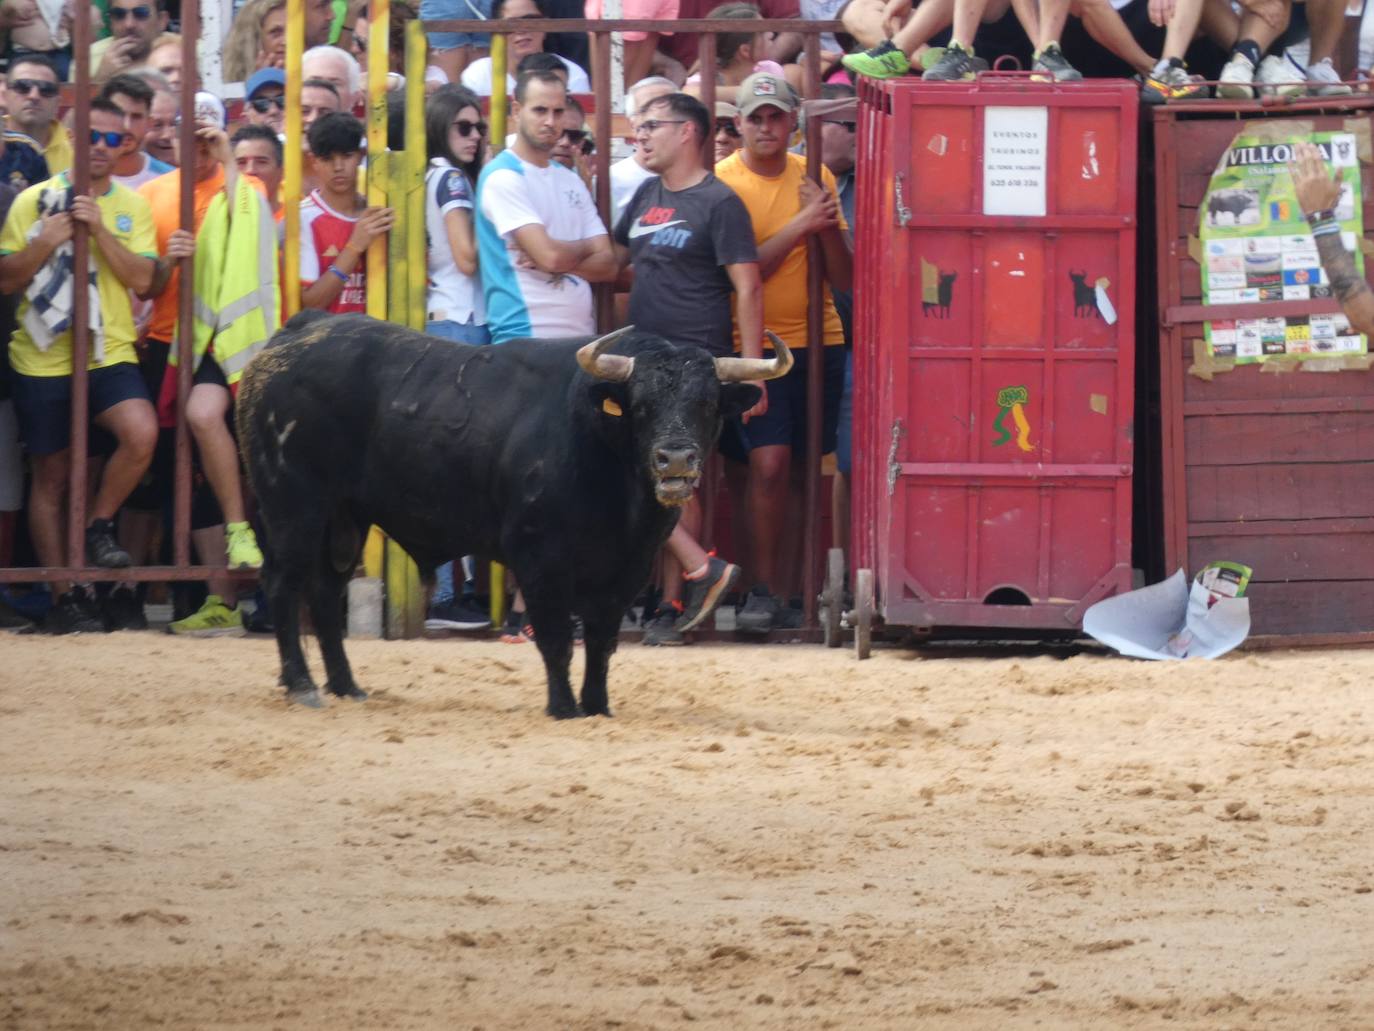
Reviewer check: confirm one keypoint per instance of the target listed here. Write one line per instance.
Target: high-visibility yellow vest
(237, 293)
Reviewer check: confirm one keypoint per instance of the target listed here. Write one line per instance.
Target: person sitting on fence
(33, 95)
(786, 208)
(688, 239)
(259, 153)
(741, 54)
(639, 47)
(36, 258)
(685, 47)
(337, 226)
(519, 44)
(30, 31)
(134, 97)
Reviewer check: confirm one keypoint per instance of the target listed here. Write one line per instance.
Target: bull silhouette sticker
(1090, 299)
(937, 290)
(1012, 401)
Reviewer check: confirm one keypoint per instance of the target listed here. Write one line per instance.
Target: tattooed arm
(1318, 193)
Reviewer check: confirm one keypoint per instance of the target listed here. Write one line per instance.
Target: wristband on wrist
(343, 276)
(1320, 216)
(1326, 227)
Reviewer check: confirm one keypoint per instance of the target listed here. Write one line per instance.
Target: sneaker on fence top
(955, 64)
(1051, 65)
(1278, 76)
(101, 547)
(1170, 81)
(215, 619)
(1324, 81)
(1236, 78)
(884, 61)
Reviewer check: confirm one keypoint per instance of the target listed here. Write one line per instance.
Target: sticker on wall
(1012, 400)
(1091, 299)
(937, 290)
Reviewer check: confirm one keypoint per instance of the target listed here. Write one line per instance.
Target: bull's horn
(738, 370)
(614, 367)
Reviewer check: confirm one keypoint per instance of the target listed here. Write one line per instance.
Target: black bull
(566, 460)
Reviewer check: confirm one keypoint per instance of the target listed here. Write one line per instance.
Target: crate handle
(894, 467)
(903, 212)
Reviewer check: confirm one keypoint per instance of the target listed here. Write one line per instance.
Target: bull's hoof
(564, 712)
(310, 698)
(597, 710)
(349, 691)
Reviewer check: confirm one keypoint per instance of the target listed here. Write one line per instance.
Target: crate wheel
(862, 616)
(832, 598)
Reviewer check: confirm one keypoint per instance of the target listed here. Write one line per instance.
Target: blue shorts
(459, 332)
(452, 10)
(785, 421)
(43, 404)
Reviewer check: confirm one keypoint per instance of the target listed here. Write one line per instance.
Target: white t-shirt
(524, 302)
(626, 175)
(477, 77)
(453, 295)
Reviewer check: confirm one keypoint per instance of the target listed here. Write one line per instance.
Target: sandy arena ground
(764, 837)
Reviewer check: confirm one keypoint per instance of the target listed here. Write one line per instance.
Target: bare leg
(682, 551)
(769, 501)
(134, 425)
(48, 512)
(967, 16)
(137, 529)
(639, 58)
(839, 512)
(930, 17)
(206, 409)
(1182, 29)
(1327, 21)
(1053, 14)
(209, 542)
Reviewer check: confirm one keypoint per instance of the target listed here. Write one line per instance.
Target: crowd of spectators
(514, 238)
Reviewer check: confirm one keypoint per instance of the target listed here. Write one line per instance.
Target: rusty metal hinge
(894, 467)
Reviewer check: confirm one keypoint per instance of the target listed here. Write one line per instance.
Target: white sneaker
(1280, 78)
(1236, 78)
(1324, 81)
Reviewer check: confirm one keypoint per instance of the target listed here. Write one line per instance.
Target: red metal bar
(157, 573)
(597, 26)
(186, 330)
(815, 350)
(81, 306)
(601, 87)
(708, 97)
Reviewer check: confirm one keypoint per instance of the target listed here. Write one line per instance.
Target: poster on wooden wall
(1256, 247)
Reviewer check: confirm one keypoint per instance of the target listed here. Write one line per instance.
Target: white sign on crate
(1015, 160)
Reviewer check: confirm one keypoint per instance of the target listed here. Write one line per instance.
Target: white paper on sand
(1168, 621)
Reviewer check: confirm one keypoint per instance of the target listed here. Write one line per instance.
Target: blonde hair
(244, 42)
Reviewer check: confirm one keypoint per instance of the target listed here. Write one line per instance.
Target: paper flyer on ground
(1256, 246)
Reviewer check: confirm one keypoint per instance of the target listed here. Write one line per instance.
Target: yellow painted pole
(496, 116)
(379, 29)
(291, 175)
(415, 164)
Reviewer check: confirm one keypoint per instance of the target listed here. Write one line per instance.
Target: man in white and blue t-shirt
(539, 239)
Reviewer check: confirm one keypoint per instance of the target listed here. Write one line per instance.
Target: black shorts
(43, 404)
(785, 421)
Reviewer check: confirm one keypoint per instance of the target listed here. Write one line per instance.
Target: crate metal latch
(903, 212)
(894, 467)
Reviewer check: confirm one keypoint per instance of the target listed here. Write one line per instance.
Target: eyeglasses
(574, 135)
(466, 128)
(651, 124)
(264, 104)
(139, 13)
(110, 139)
(46, 90)
(728, 128)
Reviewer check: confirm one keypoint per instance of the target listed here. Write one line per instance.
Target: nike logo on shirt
(638, 230)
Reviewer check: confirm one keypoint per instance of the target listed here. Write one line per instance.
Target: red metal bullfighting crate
(994, 353)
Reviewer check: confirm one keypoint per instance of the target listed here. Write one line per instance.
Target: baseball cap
(725, 109)
(264, 77)
(763, 88)
(210, 107)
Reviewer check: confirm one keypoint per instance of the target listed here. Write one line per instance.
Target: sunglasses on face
(46, 90)
(139, 13)
(466, 128)
(110, 139)
(575, 136)
(728, 128)
(264, 104)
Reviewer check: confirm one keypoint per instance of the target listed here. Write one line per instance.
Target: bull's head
(672, 401)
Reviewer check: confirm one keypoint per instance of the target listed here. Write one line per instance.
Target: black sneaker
(702, 596)
(455, 614)
(101, 547)
(661, 631)
(123, 611)
(1052, 66)
(760, 611)
(74, 613)
(955, 64)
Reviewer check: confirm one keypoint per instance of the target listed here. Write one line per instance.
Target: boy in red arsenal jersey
(336, 225)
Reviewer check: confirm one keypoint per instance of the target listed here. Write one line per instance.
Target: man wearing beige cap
(727, 138)
(786, 208)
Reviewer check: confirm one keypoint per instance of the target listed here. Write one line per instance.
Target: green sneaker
(242, 546)
(215, 619)
(884, 61)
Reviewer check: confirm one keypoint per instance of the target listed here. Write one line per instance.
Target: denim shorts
(452, 10)
(44, 404)
(459, 332)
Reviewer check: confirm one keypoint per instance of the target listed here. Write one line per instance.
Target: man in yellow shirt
(786, 209)
(34, 97)
(120, 225)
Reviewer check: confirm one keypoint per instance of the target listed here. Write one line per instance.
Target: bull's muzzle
(677, 472)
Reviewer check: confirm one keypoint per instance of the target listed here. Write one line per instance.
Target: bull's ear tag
(610, 407)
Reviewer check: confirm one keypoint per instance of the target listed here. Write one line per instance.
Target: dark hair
(335, 133)
(541, 62)
(130, 86)
(836, 90)
(498, 8)
(32, 57)
(260, 132)
(107, 106)
(322, 84)
(685, 106)
(728, 43)
(440, 112)
(548, 78)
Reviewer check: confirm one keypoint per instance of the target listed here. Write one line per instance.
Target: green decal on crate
(1013, 400)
